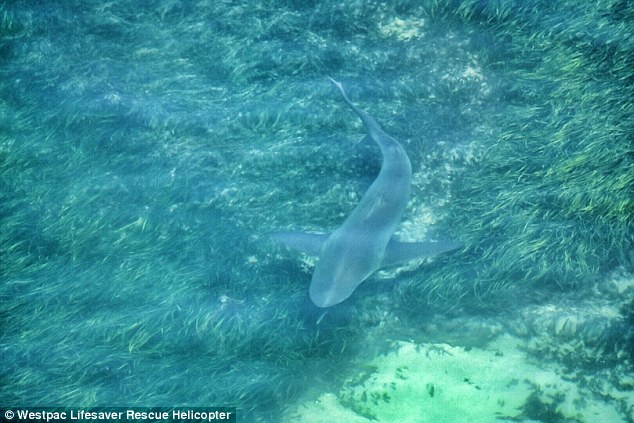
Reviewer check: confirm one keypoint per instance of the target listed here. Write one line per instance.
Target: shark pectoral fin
(367, 140)
(305, 242)
(401, 252)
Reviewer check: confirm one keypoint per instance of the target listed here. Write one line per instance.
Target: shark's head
(335, 281)
(329, 293)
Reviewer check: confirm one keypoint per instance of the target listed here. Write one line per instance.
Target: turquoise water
(148, 147)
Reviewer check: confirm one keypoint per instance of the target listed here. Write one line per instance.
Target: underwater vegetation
(146, 147)
(438, 382)
(551, 188)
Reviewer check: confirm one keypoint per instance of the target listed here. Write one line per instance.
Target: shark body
(364, 243)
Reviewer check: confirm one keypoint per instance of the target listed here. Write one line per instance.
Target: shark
(365, 241)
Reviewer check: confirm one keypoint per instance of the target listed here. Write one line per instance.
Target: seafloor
(147, 148)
